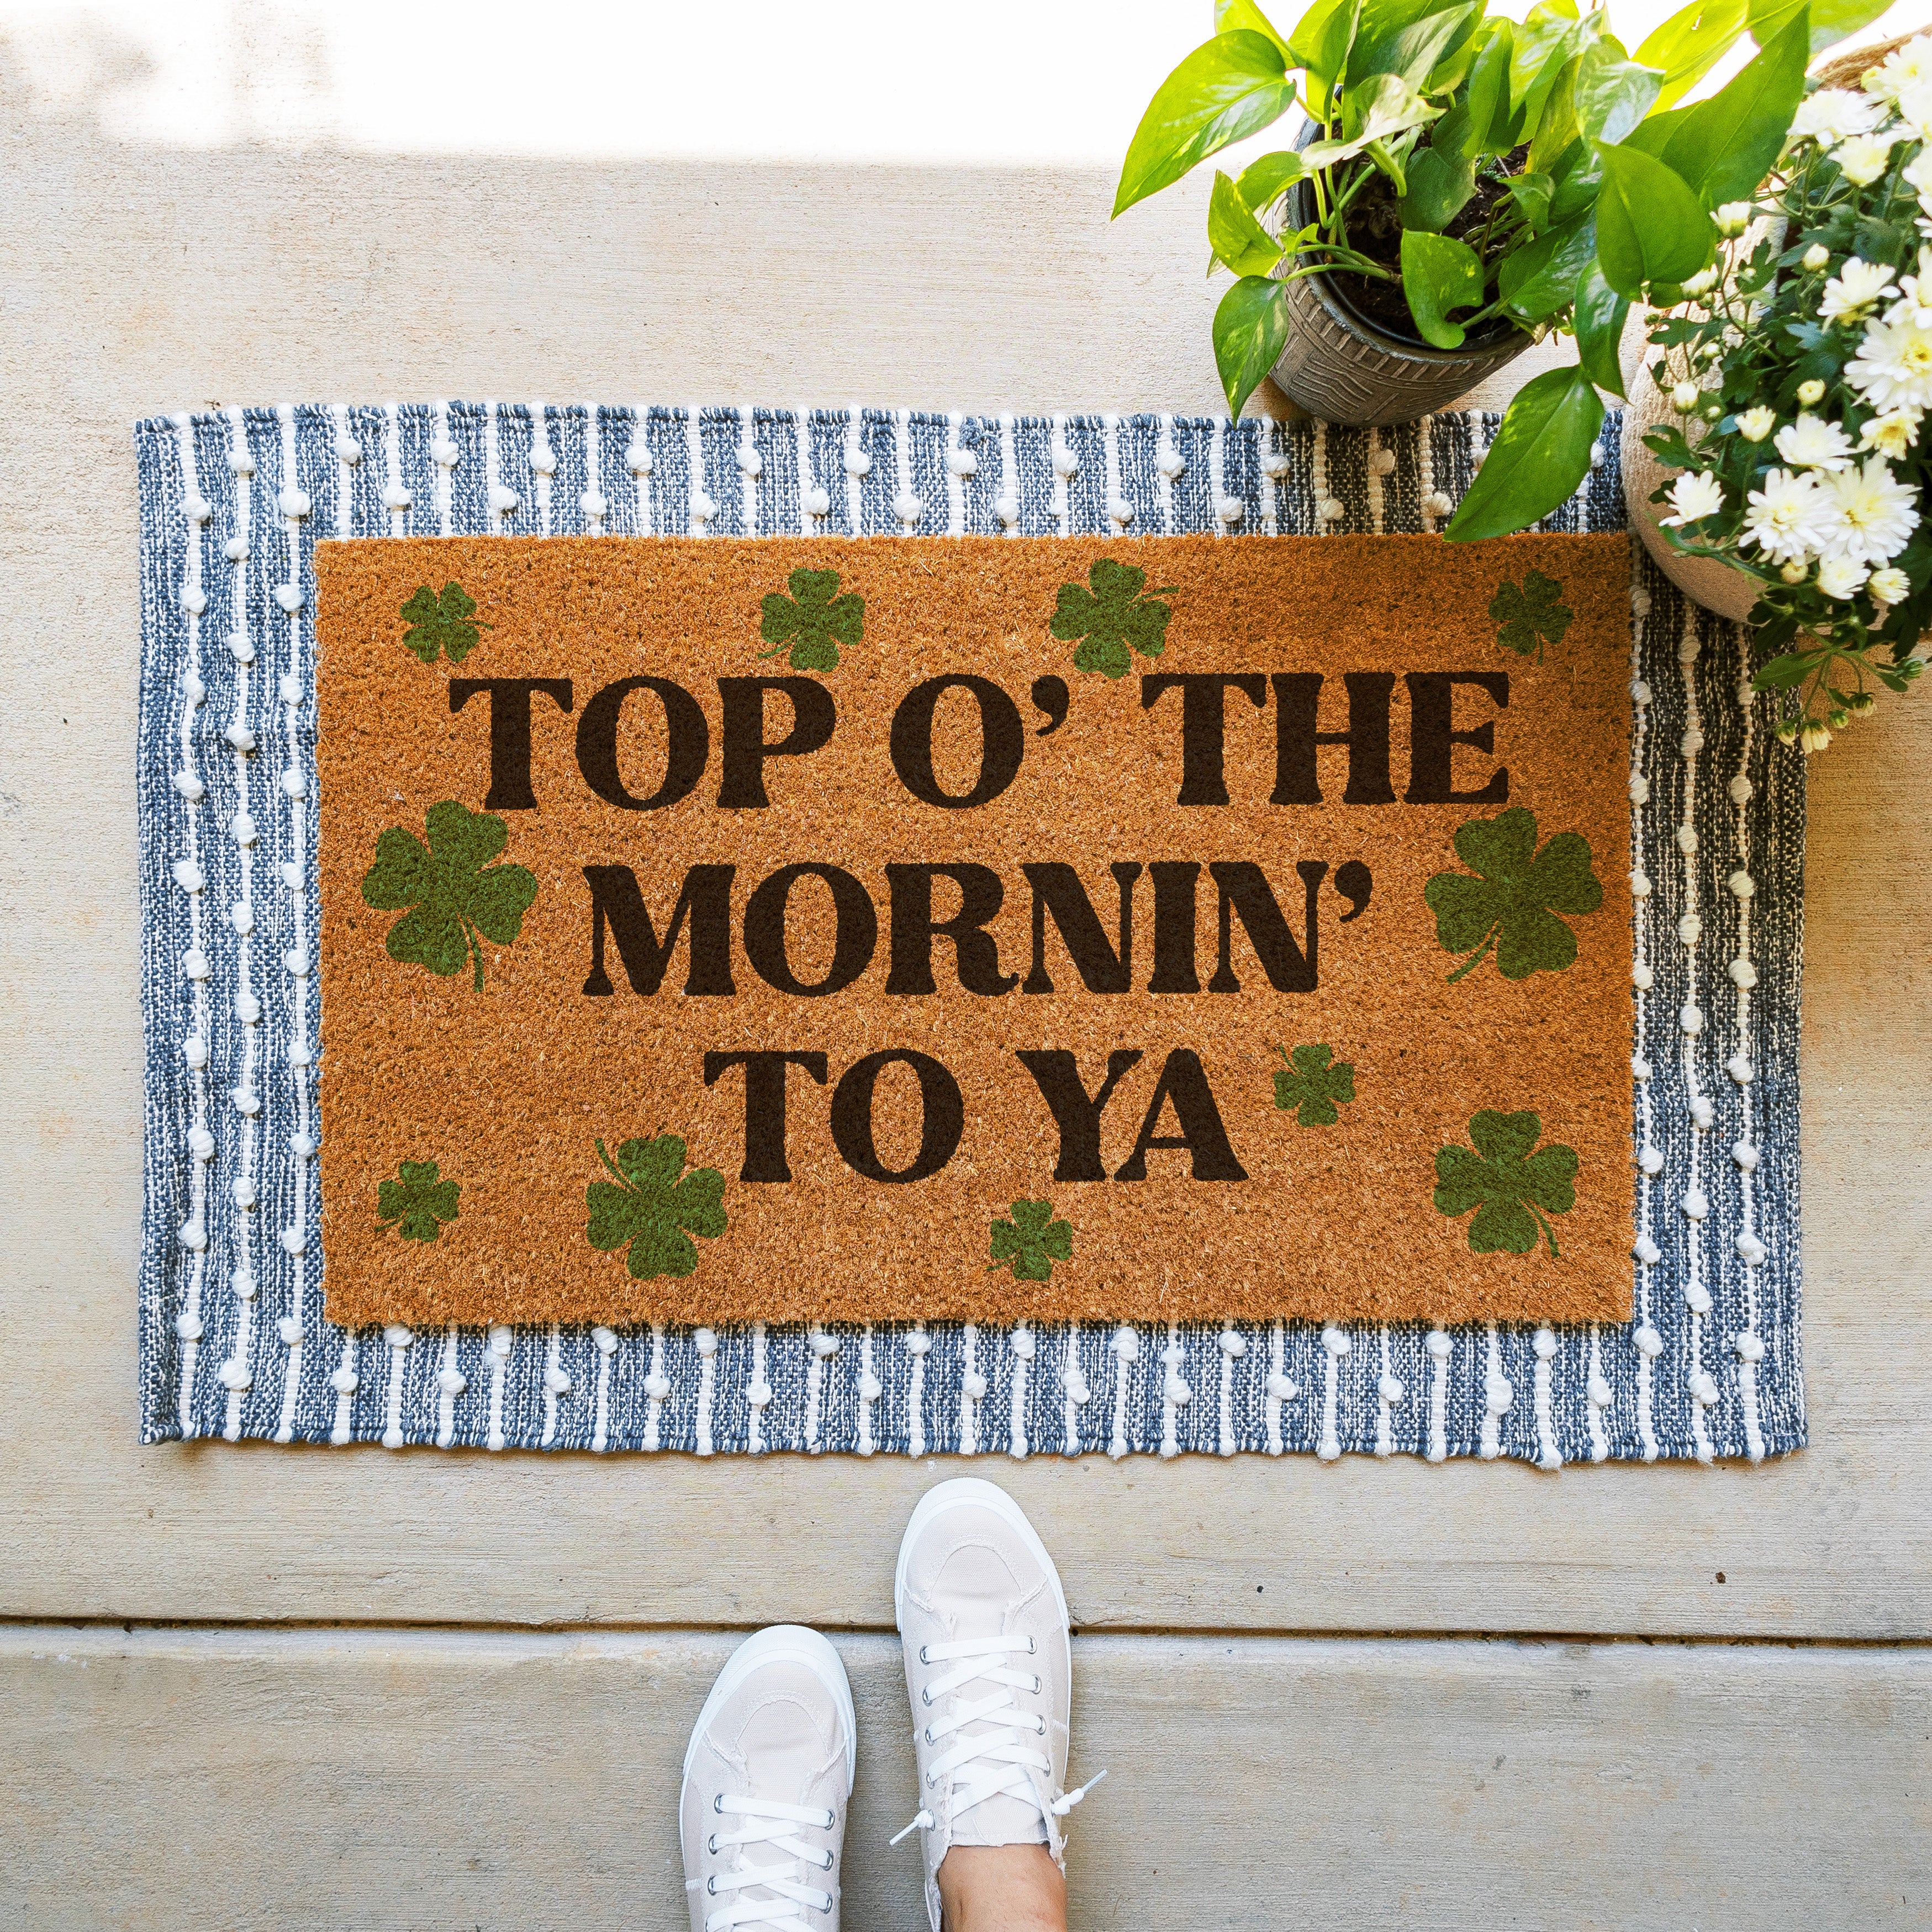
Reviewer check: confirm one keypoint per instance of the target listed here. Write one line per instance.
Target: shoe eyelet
(1041, 1727)
(925, 1698)
(711, 1887)
(831, 1818)
(1031, 1646)
(1036, 1684)
(717, 1804)
(928, 1735)
(922, 1657)
(827, 1865)
(711, 1844)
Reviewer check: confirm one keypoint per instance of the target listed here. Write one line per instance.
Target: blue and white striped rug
(233, 1342)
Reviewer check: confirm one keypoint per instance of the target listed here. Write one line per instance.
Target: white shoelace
(994, 1763)
(771, 1825)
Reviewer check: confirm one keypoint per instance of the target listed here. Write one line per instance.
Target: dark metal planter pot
(1345, 370)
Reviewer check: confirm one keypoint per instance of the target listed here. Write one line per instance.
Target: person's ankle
(1002, 1888)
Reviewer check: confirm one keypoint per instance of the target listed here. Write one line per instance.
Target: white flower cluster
(1850, 521)
(1826, 507)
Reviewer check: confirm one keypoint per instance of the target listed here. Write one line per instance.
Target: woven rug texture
(233, 1342)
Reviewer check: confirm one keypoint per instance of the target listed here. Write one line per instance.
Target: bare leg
(1002, 1888)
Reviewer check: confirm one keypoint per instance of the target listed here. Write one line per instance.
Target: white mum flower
(1684, 398)
(1915, 109)
(1833, 113)
(1917, 174)
(1901, 70)
(1733, 217)
(1914, 293)
(1864, 157)
(1893, 368)
(1854, 289)
(1755, 424)
(1868, 515)
(1813, 443)
(1892, 435)
(1785, 519)
(1695, 494)
(1813, 738)
(1839, 576)
(1815, 257)
(1890, 585)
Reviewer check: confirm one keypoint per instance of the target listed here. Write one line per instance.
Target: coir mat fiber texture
(235, 1341)
(1176, 897)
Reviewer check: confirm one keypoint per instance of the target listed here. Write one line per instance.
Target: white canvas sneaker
(767, 1776)
(989, 1670)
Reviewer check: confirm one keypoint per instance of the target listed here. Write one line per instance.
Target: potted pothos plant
(1464, 186)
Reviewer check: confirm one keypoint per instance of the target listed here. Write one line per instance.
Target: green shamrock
(1530, 617)
(649, 1207)
(442, 624)
(416, 1205)
(1031, 1242)
(1512, 902)
(1111, 616)
(1506, 1183)
(1307, 1083)
(450, 897)
(814, 621)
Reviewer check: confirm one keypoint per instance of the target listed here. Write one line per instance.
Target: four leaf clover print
(445, 625)
(1512, 903)
(1530, 617)
(1111, 615)
(417, 1203)
(1506, 1183)
(1308, 1085)
(455, 898)
(813, 622)
(648, 1209)
(1031, 1242)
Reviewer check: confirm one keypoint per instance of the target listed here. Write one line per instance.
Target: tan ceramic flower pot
(1716, 586)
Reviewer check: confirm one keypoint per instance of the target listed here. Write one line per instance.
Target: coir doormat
(1685, 1345)
(816, 929)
